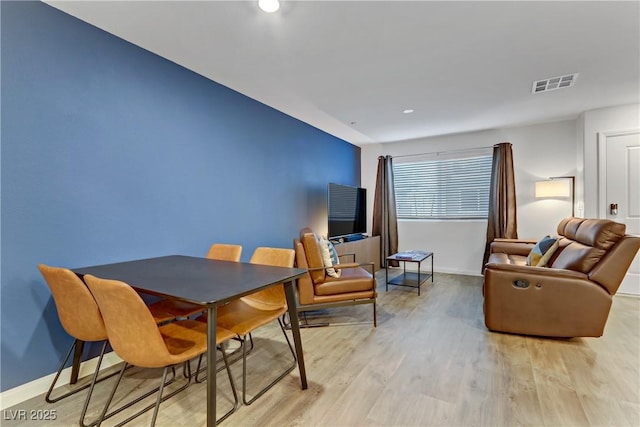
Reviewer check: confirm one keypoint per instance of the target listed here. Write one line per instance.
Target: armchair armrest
(353, 255)
(346, 265)
(365, 265)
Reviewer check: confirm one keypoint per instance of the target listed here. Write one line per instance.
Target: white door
(620, 159)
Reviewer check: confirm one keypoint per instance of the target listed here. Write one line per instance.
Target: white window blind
(455, 188)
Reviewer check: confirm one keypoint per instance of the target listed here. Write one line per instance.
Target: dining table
(210, 283)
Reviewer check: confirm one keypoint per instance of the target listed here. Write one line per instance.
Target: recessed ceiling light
(269, 5)
(407, 111)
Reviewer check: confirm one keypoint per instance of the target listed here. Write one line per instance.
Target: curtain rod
(445, 152)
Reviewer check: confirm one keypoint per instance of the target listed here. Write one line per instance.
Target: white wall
(626, 117)
(540, 151)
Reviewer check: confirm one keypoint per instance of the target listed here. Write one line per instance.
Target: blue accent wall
(112, 153)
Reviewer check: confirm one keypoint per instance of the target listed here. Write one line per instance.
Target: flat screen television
(347, 209)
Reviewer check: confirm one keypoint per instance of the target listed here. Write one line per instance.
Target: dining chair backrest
(77, 309)
(225, 252)
(132, 331)
(274, 295)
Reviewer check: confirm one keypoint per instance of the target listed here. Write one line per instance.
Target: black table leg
(386, 276)
(211, 366)
(295, 329)
(75, 366)
(419, 282)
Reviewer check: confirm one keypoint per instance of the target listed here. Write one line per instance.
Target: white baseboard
(461, 272)
(630, 284)
(40, 386)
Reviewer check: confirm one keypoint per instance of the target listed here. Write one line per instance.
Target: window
(454, 188)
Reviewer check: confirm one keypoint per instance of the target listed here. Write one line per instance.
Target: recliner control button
(520, 283)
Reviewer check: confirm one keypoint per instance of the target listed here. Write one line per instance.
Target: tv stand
(366, 249)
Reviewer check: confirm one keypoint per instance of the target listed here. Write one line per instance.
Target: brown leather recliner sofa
(572, 295)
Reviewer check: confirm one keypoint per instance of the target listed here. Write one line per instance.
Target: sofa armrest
(543, 301)
(512, 246)
(541, 273)
(500, 239)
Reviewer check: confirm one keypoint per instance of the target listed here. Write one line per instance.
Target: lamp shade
(553, 188)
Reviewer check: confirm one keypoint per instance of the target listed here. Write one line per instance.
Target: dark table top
(192, 279)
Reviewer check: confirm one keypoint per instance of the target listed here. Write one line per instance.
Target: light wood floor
(430, 362)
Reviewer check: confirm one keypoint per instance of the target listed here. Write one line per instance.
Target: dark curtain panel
(385, 221)
(502, 198)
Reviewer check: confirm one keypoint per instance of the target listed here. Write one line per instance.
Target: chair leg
(281, 376)
(304, 322)
(55, 379)
(199, 369)
(226, 366)
(92, 385)
(48, 397)
(230, 356)
(113, 392)
(158, 390)
(159, 399)
(105, 415)
(186, 371)
(375, 319)
(156, 406)
(236, 401)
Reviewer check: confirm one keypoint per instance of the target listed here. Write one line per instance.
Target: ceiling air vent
(554, 83)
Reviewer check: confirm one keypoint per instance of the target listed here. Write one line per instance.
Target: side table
(410, 279)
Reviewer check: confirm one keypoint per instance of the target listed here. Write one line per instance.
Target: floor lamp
(558, 187)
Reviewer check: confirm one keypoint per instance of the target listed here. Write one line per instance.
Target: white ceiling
(351, 67)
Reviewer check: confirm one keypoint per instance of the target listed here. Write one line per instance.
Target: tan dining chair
(80, 318)
(181, 309)
(245, 315)
(139, 341)
(225, 252)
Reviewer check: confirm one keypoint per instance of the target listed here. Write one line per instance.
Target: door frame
(602, 165)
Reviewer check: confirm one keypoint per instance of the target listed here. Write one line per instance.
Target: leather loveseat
(569, 297)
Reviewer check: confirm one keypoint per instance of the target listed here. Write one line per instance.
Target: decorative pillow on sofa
(327, 259)
(542, 251)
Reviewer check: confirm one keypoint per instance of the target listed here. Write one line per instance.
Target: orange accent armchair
(317, 290)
